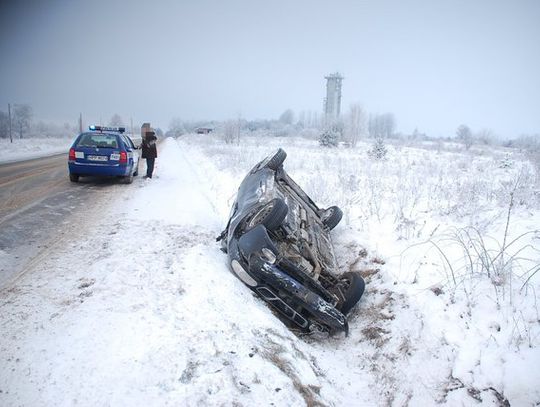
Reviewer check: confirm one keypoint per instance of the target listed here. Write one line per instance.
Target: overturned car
(278, 243)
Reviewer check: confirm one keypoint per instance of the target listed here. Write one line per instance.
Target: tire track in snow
(73, 228)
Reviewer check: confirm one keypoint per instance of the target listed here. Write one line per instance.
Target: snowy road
(27, 182)
(40, 207)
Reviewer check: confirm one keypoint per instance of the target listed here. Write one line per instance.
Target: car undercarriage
(278, 242)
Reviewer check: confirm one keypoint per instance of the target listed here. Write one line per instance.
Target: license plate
(97, 157)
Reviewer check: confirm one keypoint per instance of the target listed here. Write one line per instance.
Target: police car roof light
(105, 128)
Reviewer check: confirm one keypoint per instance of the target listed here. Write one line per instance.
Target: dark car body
(103, 152)
(278, 243)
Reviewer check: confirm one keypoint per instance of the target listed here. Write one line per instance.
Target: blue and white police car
(103, 151)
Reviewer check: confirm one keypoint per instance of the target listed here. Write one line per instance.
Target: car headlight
(243, 274)
(268, 255)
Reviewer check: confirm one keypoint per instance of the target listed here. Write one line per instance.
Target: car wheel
(351, 285)
(271, 215)
(74, 177)
(331, 217)
(128, 179)
(275, 160)
(136, 170)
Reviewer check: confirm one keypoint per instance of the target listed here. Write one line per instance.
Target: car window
(128, 142)
(98, 140)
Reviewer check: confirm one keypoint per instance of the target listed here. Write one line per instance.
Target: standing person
(149, 151)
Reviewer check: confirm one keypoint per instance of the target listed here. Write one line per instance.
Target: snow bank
(25, 149)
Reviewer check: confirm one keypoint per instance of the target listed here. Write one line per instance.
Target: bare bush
(464, 134)
(231, 132)
(501, 260)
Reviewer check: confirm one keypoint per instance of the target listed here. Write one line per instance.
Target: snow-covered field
(136, 305)
(25, 149)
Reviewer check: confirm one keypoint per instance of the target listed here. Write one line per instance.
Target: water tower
(332, 102)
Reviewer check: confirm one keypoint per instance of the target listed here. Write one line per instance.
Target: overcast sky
(434, 64)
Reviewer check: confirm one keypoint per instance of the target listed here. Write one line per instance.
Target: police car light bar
(105, 128)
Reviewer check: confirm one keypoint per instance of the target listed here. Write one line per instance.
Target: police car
(103, 151)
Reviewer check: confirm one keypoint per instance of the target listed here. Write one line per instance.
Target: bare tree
(464, 134)
(287, 117)
(416, 135)
(4, 125)
(231, 131)
(22, 116)
(382, 125)
(374, 126)
(302, 119)
(176, 127)
(485, 136)
(356, 124)
(309, 119)
(388, 124)
(116, 120)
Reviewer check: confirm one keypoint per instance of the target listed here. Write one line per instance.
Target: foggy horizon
(434, 66)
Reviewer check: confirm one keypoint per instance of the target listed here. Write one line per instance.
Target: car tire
(271, 215)
(354, 287)
(276, 160)
(128, 179)
(74, 177)
(331, 217)
(136, 170)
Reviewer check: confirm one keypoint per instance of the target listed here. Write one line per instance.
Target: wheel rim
(341, 288)
(345, 283)
(327, 214)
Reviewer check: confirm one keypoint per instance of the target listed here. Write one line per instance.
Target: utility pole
(80, 122)
(9, 114)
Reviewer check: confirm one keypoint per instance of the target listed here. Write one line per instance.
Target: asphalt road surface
(41, 208)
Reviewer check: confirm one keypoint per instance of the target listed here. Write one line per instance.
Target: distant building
(204, 130)
(332, 102)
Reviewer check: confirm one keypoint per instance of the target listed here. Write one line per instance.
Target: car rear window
(98, 140)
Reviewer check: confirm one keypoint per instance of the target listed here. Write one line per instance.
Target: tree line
(354, 125)
(17, 120)
(23, 125)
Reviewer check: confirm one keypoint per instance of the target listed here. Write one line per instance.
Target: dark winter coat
(149, 149)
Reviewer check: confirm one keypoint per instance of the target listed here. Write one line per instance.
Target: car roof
(98, 133)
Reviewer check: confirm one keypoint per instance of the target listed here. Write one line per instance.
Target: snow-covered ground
(25, 149)
(136, 305)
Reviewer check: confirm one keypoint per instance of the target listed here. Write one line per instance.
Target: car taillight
(123, 157)
(71, 154)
